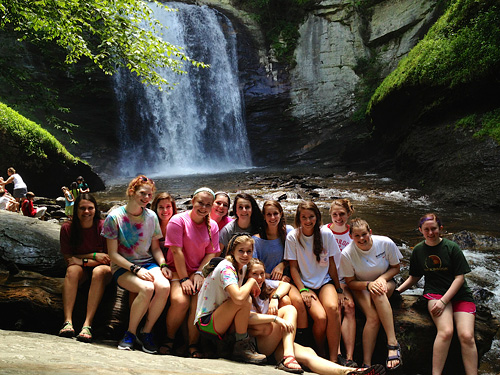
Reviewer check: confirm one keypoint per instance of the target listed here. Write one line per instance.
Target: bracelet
(443, 302)
(163, 265)
(183, 279)
(199, 273)
(134, 268)
(94, 256)
(275, 317)
(367, 283)
(304, 290)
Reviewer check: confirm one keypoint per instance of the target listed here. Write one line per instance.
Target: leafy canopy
(110, 33)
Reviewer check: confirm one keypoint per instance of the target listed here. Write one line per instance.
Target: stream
(390, 208)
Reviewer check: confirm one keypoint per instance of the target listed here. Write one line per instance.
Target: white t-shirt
(213, 291)
(263, 304)
(368, 265)
(4, 201)
(313, 274)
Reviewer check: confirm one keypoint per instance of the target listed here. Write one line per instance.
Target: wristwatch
(340, 290)
(275, 296)
(84, 262)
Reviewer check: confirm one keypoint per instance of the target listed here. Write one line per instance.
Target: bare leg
(372, 324)
(229, 312)
(159, 300)
(318, 314)
(349, 322)
(144, 290)
(101, 276)
(329, 299)
(465, 331)
(74, 275)
(444, 325)
(299, 305)
(179, 305)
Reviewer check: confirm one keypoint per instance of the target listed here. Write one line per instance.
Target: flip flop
(67, 330)
(284, 366)
(167, 347)
(372, 370)
(85, 334)
(196, 353)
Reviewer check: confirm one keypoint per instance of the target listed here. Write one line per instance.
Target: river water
(391, 209)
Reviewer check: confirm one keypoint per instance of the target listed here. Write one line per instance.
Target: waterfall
(198, 127)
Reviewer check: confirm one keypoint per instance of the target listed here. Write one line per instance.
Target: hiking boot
(127, 342)
(147, 342)
(244, 350)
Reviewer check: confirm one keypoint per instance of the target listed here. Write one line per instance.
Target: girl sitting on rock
(85, 252)
(138, 265)
(248, 219)
(164, 207)
(225, 301)
(450, 300)
(369, 264)
(220, 209)
(313, 254)
(274, 329)
(193, 239)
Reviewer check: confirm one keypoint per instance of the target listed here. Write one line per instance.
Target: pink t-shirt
(193, 238)
(224, 222)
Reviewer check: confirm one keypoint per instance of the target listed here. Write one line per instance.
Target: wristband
(199, 273)
(94, 256)
(367, 283)
(163, 265)
(304, 290)
(443, 302)
(184, 279)
(275, 317)
(276, 296)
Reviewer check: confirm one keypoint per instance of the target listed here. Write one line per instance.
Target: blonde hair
(236, 240)
(357, 224)
(207, 217)
(344, 203)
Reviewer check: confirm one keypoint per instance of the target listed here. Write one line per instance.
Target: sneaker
(341, 360)
(147, 342)
(244, 350)
(127, 342)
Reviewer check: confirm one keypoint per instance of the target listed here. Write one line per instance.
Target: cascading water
(198, 127)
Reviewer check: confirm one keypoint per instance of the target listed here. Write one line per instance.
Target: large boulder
(31, 244)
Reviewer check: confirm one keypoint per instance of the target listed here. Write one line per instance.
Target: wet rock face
(31, 244)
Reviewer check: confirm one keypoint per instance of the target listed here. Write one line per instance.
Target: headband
(206, 190)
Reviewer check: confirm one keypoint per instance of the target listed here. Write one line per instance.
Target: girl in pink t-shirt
(220, 209)
(193, 239)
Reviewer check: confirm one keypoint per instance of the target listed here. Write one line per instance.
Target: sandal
(350, 363)
(396, 357)
(372, 370)
(167, 347)
(85, 334)
(195, 353)
(285, 366)
(67, 330)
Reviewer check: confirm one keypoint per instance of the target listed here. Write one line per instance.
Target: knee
(147, 290)
(445, 334)
(372, 320)
(267, 329)
(320, 321)
(349, 308)
(74, 273)
(466, 338)
(179, 303)
(298, 303)
(285, 301)
(289, 311)
(162, 288)
(101, 273)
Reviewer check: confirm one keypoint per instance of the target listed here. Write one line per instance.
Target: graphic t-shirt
(134, 234)
(213, 291)
(439, 265)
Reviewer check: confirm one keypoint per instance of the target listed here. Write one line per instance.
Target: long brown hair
(161, 196)
(317, 240)
(281, 224)
(265, 290)
(236, 240)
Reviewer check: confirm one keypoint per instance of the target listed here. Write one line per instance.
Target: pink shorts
(458, 306)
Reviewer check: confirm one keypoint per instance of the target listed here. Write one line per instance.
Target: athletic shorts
(319, 289)
(121, 271)
(205, 324)
(458, 306)
(19, 193)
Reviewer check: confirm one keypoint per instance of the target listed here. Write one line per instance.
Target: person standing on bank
(20, 188)
(450, 300)
(85, 252)
(132, 234)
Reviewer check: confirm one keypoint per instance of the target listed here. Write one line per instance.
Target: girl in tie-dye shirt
(132, 234)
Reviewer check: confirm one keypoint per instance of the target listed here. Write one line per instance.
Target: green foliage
(35, 141)
(280, 20)
(485, 125)
(462, 46)
(110, 33)
(369, 71)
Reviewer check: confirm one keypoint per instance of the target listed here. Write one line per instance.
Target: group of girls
(270, 279)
